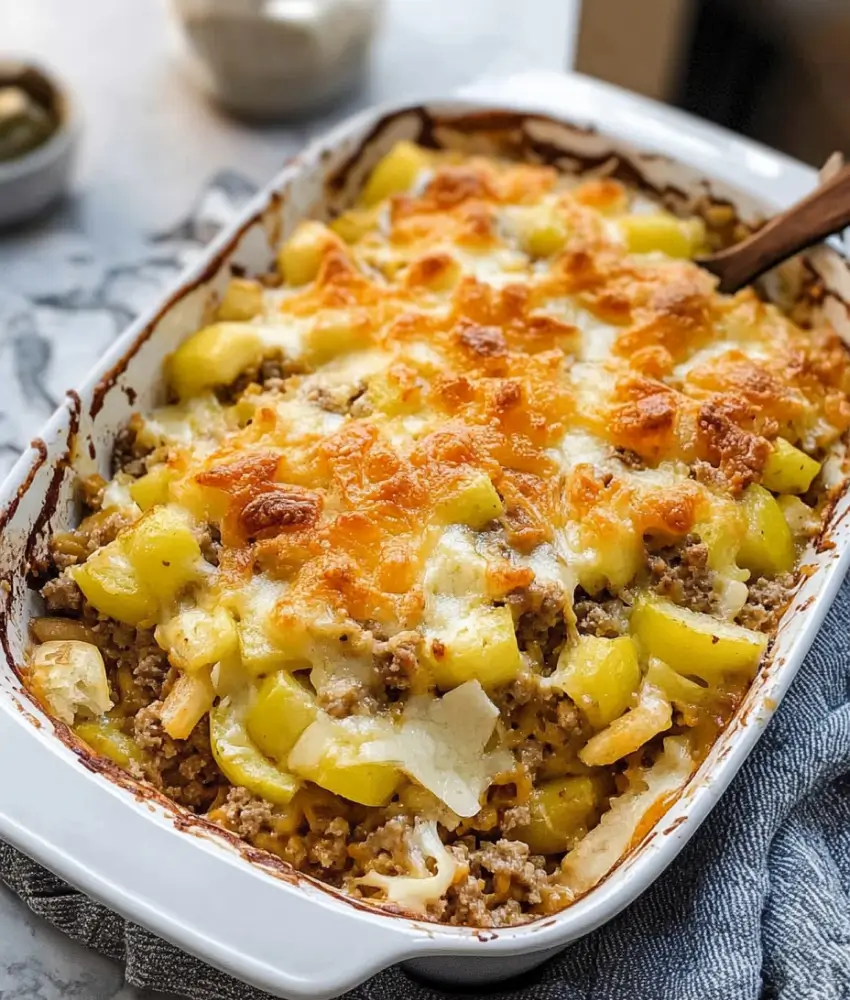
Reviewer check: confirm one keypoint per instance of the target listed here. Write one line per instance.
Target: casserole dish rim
(392, 938)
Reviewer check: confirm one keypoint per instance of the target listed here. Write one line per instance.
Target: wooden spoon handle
(824, 212)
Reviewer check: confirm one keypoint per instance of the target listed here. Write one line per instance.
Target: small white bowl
(29, 183)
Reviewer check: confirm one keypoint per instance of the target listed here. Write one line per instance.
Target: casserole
(165, 897)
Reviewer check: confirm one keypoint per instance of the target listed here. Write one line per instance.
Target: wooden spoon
(824, 212)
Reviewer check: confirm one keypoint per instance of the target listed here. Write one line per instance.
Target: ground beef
(209, 539)
(606, 617)
(271, 374)
(540, 624)
(68, 548)
(127, 454)
(91, 491)
(766, 601)
(504, 880)
(515, 816)
(62, 595)
(184, 770)
(681, 574)
(336, 398)
(245, 814)
(629, 458)
(397, 660)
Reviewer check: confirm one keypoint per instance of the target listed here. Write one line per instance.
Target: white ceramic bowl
(30, 183)
(238, 909)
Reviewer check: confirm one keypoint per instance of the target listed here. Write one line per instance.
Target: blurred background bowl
(31, 182)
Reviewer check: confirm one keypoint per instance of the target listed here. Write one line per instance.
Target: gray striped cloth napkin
(757, 907)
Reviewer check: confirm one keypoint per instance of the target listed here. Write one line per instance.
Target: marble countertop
(159, 171)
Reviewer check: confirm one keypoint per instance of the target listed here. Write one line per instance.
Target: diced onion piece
(187, 703)
(441, 742)
(417, 892)
(69, 677)
(594, 856)
(651, 716)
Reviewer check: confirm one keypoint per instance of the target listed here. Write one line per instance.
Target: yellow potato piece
(105, 737)
(601, 676)
(283, 710)
(187, 703)
(354, 224)
(259, 654)
(541, 229)
(196, 638)
(395, 173)
(163, 551)
(767, 548)
(151, 489)
(328, 755)
(110, 582)
(480, 646)
(562, 811)
(331, 337)
(693, 643)
(300, 257)
(243, 299)
(476, 503)
(662, 233)
(788, 470)
(241, 761)
(213, 356)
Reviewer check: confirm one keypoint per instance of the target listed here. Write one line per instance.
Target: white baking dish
(187, 881)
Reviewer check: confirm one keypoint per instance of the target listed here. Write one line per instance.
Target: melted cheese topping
(482, 392)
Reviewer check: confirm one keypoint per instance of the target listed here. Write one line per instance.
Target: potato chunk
(213, 356)
(163, 551)
(196, 638)
(562, 811)
(106, 737)
(542, 231)
(694, 643)
(354, 224)
(788, 470)
(662, 233)
(111, 583)
(283, 710)
(395, 173)
(600, 675)
(300, 257)
(327, 754)
(332, 336)
(480, 646)
(241, 760)
(768, 547)
(243, 300)
(69, 677)
(476, 503)
(151, 489)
